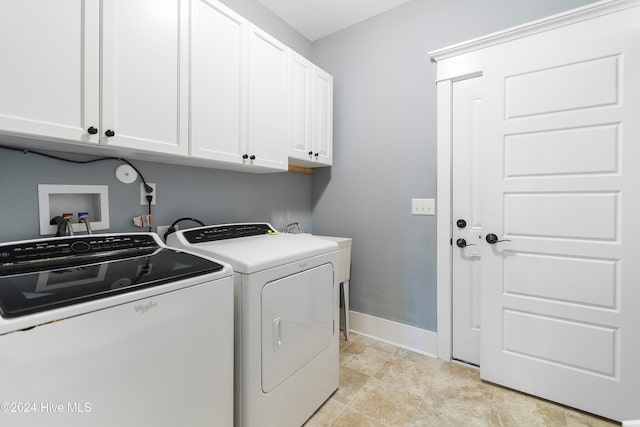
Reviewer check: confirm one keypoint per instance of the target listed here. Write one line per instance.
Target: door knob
(493, 239)
(461, 223)
(462, 243)
(109, 133)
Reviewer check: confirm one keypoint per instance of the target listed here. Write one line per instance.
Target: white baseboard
(405, 336)
(631, 423)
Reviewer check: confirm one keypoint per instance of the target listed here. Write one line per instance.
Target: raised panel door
(218, 82)
(145, 75)
(267, 128)
(300, 108)
(560, 294)
(50, 68)
(467, 144)
(322, 117)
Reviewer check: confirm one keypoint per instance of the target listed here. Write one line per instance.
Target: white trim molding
(554, 21)
(408, 337)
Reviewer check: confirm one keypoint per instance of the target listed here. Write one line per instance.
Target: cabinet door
(267, 128)
(145, 75)
(300, 107)
(322, 117)
(49, 73)
(218, 82)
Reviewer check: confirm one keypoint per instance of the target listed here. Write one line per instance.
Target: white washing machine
(114, 330)
(286, 334)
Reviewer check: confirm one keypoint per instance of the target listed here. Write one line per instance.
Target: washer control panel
(43, 250)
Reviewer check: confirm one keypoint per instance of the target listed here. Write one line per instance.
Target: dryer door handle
(277, 333)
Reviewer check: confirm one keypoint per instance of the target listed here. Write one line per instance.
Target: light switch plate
(423, 207)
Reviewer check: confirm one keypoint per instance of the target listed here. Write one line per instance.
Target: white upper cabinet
(310, 115)
(239, 87)
(267, 90)
(300, 107)
(218, 82)
(145, 75)
(322, 117)
(49, 75)
(188, 79)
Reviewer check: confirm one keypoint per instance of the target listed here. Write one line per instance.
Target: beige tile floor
(384, 385)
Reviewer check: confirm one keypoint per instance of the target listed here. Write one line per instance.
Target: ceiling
(315, 19)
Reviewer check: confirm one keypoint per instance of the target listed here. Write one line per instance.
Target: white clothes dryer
(286, 330)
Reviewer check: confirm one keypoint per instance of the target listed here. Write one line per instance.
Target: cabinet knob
(252, 157)
(109, 133)
(317, 154)
(311, 153)
(92, 130)
(245, 156)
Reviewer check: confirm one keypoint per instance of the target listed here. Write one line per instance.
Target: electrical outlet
(144, 194)
(423, 207)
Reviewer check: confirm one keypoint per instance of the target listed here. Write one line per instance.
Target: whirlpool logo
(143, 308)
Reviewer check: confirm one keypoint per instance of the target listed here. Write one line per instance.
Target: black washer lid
(41, 285)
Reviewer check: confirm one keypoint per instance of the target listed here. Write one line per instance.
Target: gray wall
(212, 196)
(385, 144)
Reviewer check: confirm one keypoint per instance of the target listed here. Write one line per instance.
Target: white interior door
(560, 300)
(467, 227)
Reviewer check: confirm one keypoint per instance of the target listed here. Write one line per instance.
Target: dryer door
(297, 322)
